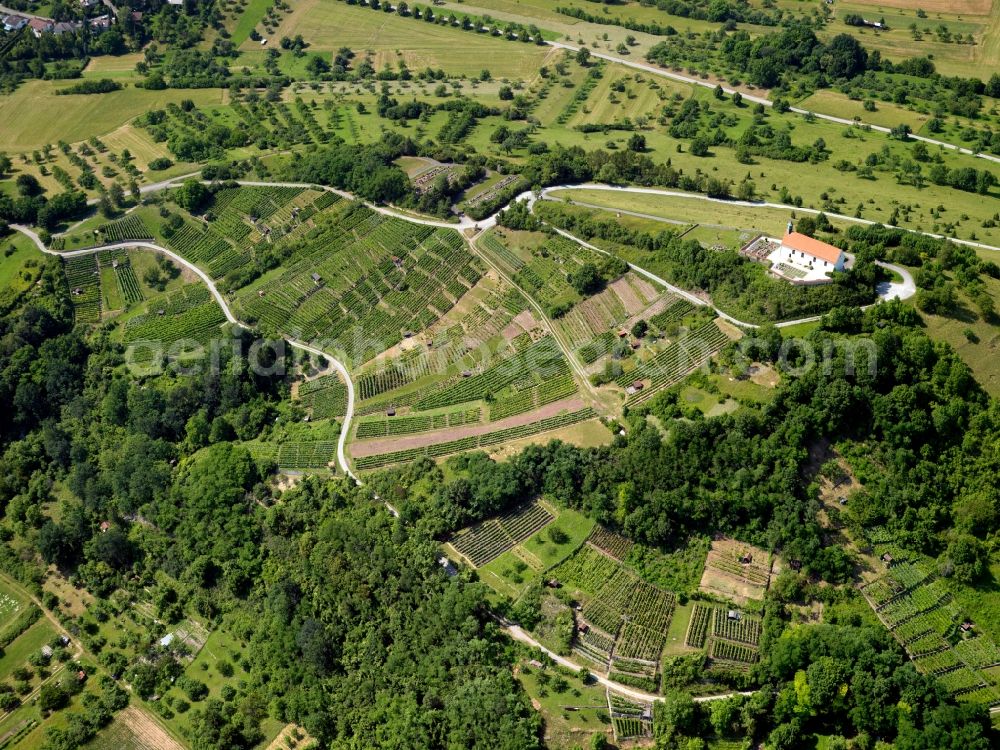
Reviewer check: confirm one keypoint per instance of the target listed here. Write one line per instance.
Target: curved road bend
(903, 290)
(338, 365)
(658, 71)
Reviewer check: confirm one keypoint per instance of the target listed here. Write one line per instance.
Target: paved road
(658, 71)
(349, 413)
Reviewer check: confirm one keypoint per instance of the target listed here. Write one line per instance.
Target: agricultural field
(357, 271)
(631, 720)
(730, 637)
(624, 620)
(480, 438)
(738, 571)
(12, 604)
(574, 711)
(134, 728)
(510, 572)
(185, 320)
(33, 115)
(330, 25)
(921, 612)
(20, 265)
(488, 540)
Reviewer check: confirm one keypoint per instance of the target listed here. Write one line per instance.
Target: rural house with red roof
(804, 260)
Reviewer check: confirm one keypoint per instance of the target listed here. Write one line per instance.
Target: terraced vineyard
(627, 618)
(675, 362)
(385, 427)
(83, 277)
(475, 441)
(609, 542)
(699, 625)
(187, 315)
(942, 640)
(130, 227)
(361, 281)
(534, 366)
(490, 539)
(325, 397)
(630, 720)
(310, 454)
(242, 220)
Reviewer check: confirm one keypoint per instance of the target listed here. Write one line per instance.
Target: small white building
(805, 260)
(14, 23)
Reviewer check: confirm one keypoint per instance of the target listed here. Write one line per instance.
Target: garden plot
(941, 639)
(677, 360)
(737, 571)
(630, 720)
(83, 276)
(134, 729)
(485, 541)
(730, 637)
(624, 620)
(189, 317)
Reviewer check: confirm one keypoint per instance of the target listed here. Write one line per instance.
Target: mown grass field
(565, 728)
(33, 115)
(330, 25)
(19, 266)
(976, 340)
(251, 15)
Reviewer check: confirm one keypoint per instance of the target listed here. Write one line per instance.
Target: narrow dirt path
(518, 634)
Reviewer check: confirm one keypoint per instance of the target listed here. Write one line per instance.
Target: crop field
(919, 610)
(488, 540)
(483, 440)
(130, 227)
(84, 279)
(359, 271)
(187, 316)
(675, 361)
(737, 571)
(324, 397)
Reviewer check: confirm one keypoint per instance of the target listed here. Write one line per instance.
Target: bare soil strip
(390, 445)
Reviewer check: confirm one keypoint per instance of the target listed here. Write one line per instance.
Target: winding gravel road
(337, 364)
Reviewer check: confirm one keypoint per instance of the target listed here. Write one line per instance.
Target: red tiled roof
(810, 246)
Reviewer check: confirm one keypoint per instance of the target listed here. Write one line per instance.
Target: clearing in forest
(737, 571)
(134, 729)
